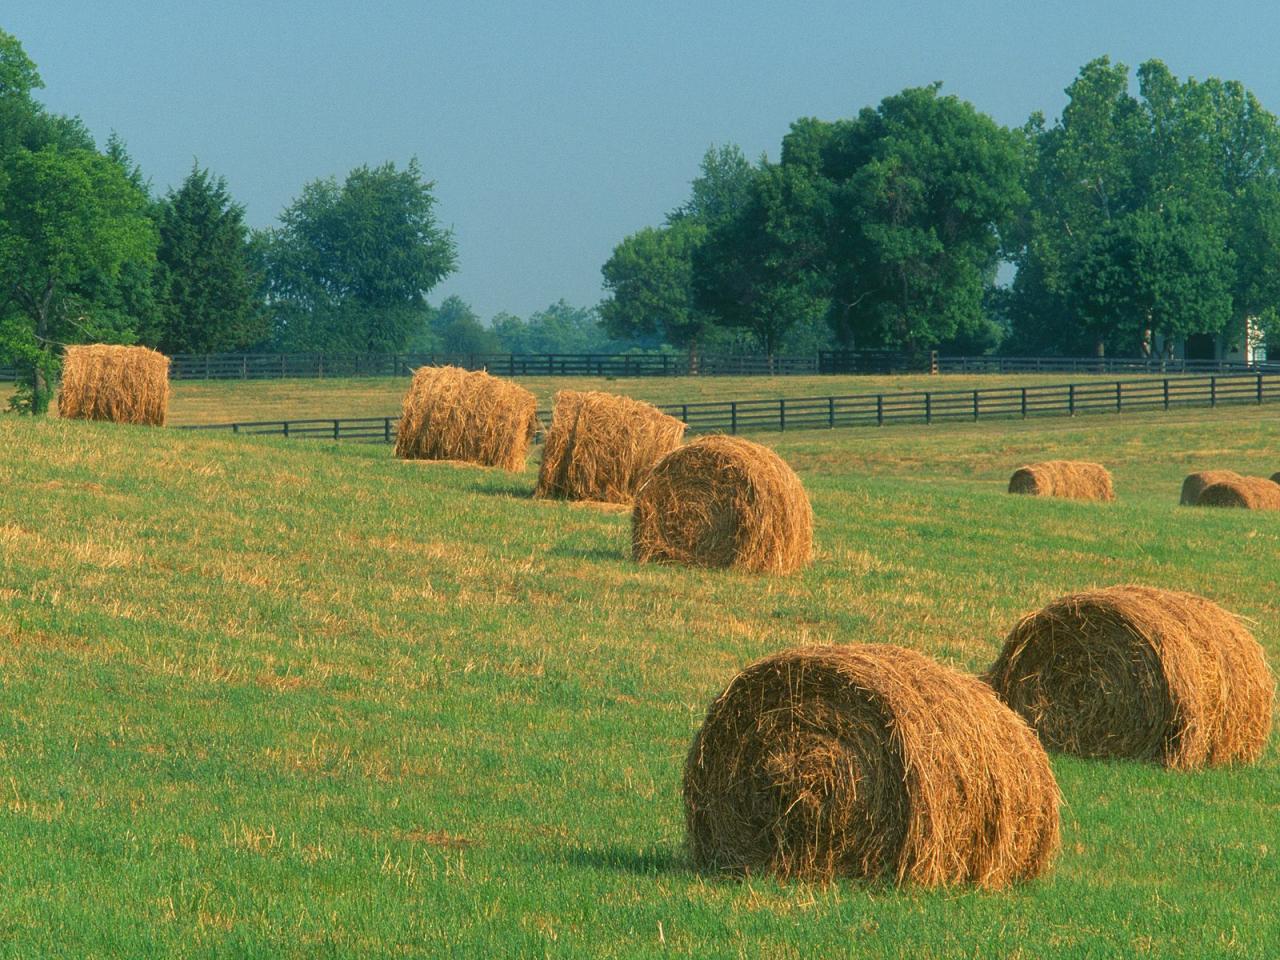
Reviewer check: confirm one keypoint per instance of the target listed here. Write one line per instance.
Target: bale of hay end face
(1248, 493)
(600, 446)
(869, 761)
(453, 414)
(1140, 673)
(723, 502)
(1195, 484)
(115, 384)
(1074, 479)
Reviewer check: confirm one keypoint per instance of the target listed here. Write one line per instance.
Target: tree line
(1137, 218)
(1130, 222)
(89, 254)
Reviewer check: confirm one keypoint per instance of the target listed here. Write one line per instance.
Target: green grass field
(220, 401)
(284, 698)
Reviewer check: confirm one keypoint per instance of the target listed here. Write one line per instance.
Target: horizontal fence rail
(879, 409)
(315, 365)
(276, 366)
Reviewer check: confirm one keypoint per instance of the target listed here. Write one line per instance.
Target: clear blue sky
(554, 129)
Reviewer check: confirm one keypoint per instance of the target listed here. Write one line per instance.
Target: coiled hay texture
(1196, 483)
(600, 446)
(1249, 493)
(453, 414)
(723, 502)
(117, 384)
(1140, 673)
(868, 761)
(1074, 479)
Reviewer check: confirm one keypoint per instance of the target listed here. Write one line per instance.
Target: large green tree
(70, 220)
(649, 278)
(351, 263)
(919, 195)
(1142, 208)
(207, 282)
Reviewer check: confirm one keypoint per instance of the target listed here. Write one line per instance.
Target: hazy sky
(554, 129)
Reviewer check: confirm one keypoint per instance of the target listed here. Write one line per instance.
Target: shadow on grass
(504, 490)
(647, 863)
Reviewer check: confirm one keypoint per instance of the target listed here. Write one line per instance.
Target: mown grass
(221, 401)
(283, 698)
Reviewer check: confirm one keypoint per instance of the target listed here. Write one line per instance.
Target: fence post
(831, 406)
(975, 405)
(1213, 391)
(1118, 408)
(285, 425)
(1024, 403)
(335, 429)
(782, 414)
(879, 409)
(733, 416)
(206, 367)
(244, 367)
(1166, 393)
(928, 407)
(1259, 387)
(235, 428)
(684, 412)
(386, 430)
(1071, 399)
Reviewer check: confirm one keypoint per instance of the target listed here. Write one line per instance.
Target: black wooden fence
(919, 407)
(1097, 365)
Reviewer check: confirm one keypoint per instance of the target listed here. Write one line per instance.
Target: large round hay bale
(723, 502)
(452, 414)
(868, 761)
(1195, 484)
(1140, 673)
(116, 384)
(1074, 479)
(1248, 493)
(600, 446)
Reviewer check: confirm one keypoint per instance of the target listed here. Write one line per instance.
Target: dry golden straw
(723, 502)
(117, 384)
(1140, 673)
(1195, 484)
(451, 414)
(600, 446)
(1248, 493)
(868, 761)
(1074, 479)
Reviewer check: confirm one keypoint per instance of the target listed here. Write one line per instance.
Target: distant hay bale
(453, 414)
(1195, 484)
(723, 502)
(868, 761)
(116, 384)
(1140, 673)
(600, 446)
(1248, 493)
(1074, 479)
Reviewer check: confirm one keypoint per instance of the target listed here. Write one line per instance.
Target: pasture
(272, 698)
(222, 401)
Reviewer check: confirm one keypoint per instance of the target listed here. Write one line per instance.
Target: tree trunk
(693, 356)
(41, 391)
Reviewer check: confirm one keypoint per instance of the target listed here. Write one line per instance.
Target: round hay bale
(868, 761)
(600, 446)
(1195, 484)
(1140, 673)
(723, 502)
(1074, 479)
(452, 414)
(1248, 493)
(114, 384)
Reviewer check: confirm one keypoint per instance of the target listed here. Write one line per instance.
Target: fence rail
(274, 366)
(878, 409)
